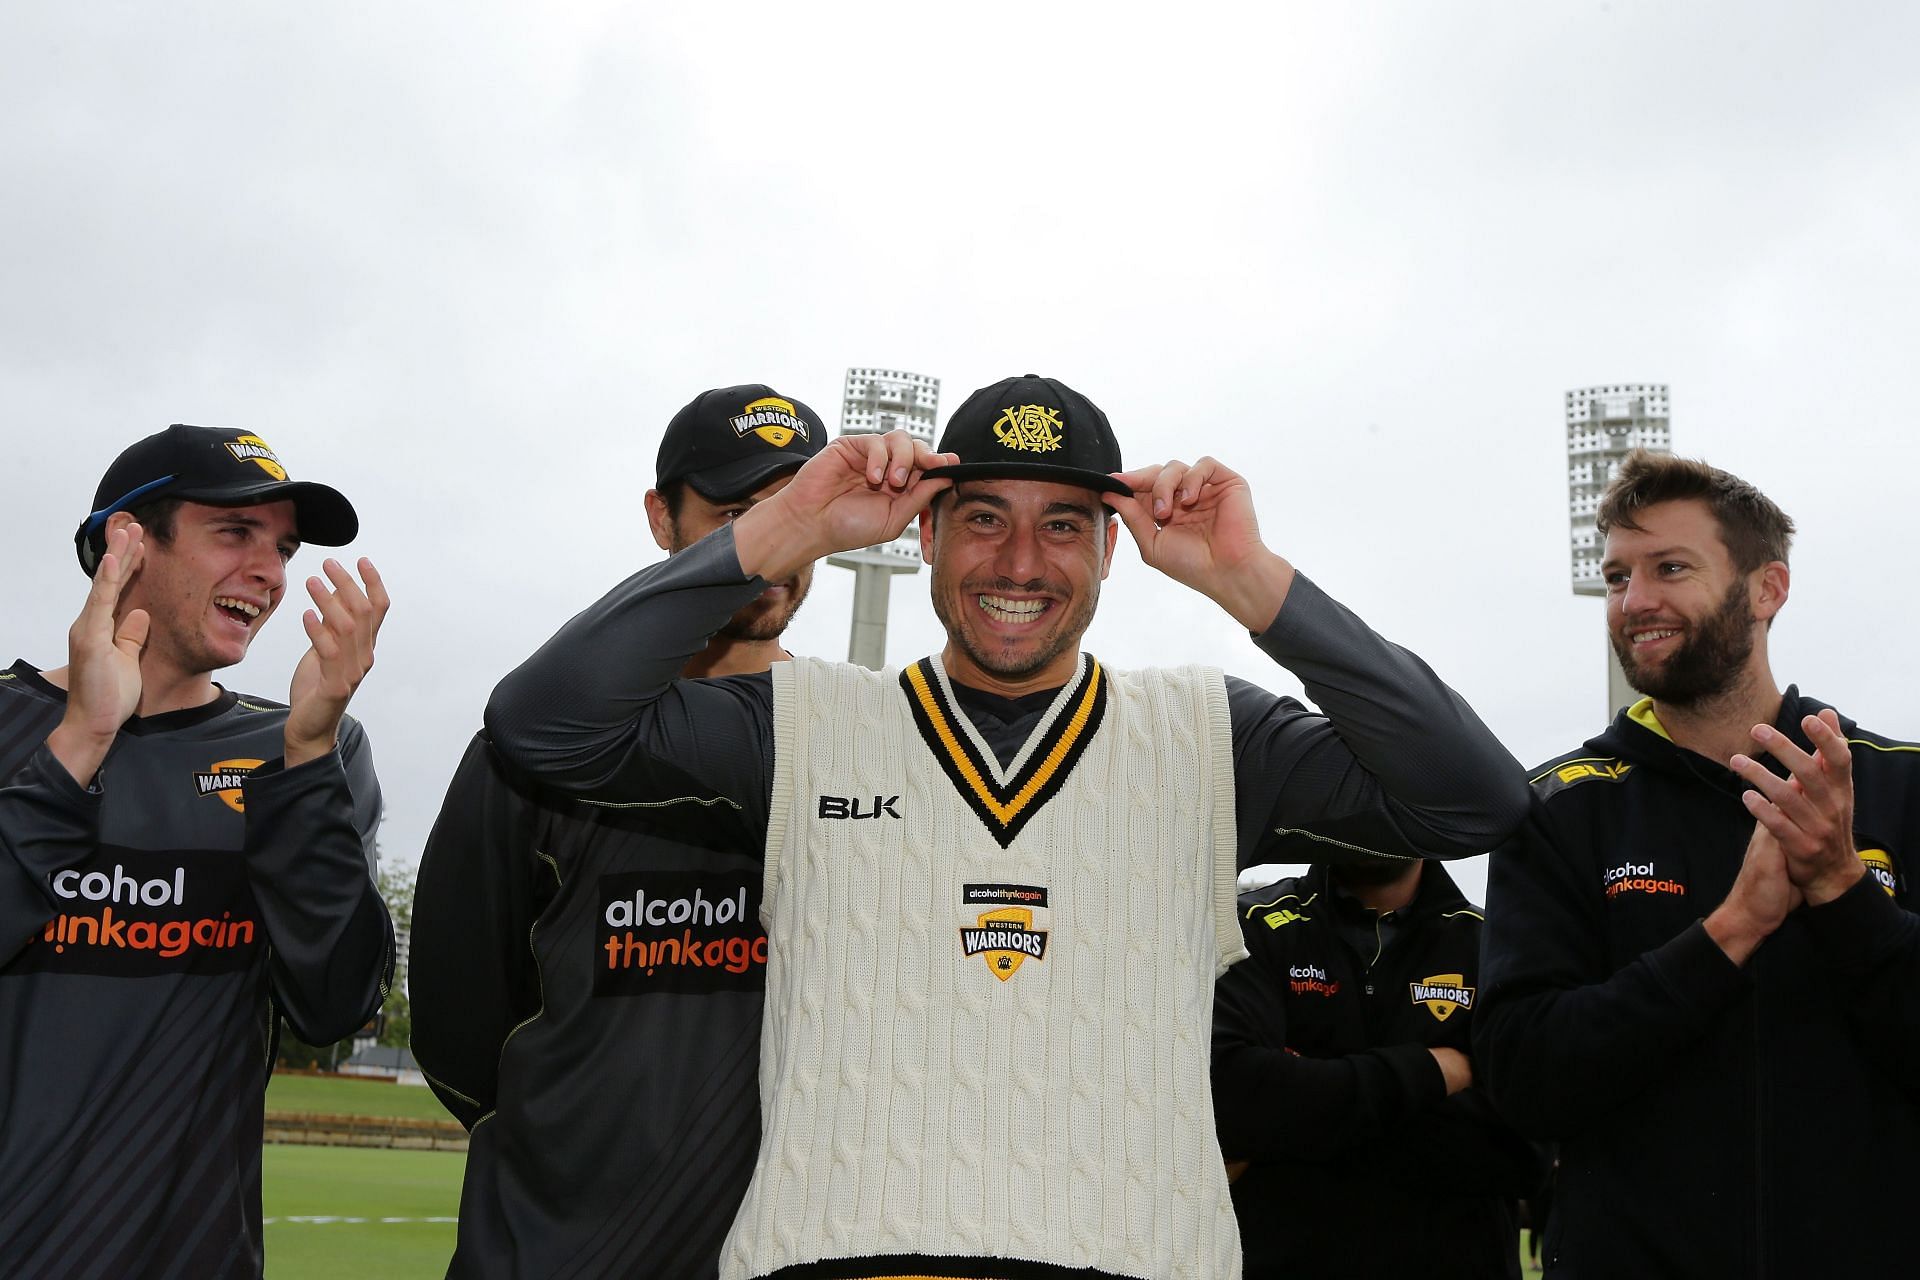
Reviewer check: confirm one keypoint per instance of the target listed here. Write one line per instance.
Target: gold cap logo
(255, 450)
(773, 420)
(1031, 428)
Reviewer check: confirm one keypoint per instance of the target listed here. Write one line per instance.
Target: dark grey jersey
(587, 983)
(154, 926)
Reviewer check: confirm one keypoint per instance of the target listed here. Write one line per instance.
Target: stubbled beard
(766, 620)
(994, 661)
(1711, 656)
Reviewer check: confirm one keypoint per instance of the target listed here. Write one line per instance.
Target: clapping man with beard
(1701, 950)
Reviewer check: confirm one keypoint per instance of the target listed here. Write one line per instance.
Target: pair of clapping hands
(104, 679)
(1802, 850)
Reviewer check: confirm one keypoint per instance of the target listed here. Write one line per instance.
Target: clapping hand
(343, 628)
(1810, 812)
(103, 661)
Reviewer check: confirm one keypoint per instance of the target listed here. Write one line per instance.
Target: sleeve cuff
(44, 769)
(1695, 971)
(1859, 928)
(1294, 627)
(1420, 1076)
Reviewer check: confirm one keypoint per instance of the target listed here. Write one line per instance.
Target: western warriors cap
(729, 441)
(220, 466)
(1032, 428)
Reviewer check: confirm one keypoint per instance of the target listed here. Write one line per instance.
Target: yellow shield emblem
(1442, 993)
(1005, 938)
(1880, 867)
(257, 451)
(223, 778)
(774, 420)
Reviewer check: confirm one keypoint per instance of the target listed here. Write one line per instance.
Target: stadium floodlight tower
(875, 402)
(1604, 425)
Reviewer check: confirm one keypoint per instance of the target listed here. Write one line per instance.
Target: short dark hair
(156, 518)
(674, 494)
(1755, 530)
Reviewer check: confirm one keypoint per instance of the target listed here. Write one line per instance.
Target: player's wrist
(1825, 887)
(1736, 931)
(1254, 590)
(773, 542)
(81, 750)
(303, 748)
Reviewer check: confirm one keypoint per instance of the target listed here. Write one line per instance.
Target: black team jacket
(1360, 1165)
(1759, 1122)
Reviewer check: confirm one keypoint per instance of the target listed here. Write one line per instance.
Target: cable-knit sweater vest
(990, 992)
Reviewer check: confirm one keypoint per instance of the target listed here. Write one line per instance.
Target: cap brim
(1029, 471)
(322, 514)
(739, 478)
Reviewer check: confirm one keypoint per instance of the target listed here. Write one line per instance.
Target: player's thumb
(130, 637)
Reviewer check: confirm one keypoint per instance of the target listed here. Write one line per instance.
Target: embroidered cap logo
(255, 450)
(1031, 428)
(772, 419)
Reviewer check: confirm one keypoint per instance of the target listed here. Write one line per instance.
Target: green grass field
(328, 1208)
(323, 1183)
(345, 1096)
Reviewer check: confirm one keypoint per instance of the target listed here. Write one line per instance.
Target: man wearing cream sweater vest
(1000, 883)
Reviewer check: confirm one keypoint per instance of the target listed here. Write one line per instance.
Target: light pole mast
(876, 401)
(1604, 424)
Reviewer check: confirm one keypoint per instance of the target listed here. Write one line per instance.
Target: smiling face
(1017, 567)
(211, 588)
(767, 617)
(1685, 623)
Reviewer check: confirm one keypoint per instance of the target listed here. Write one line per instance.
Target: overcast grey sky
(464, 260)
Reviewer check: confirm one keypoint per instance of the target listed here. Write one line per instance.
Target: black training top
(609, 1085)
(152, 927)
(1714, 1119)
(1361, 1164)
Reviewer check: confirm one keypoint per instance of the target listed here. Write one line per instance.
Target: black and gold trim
(1007, 807)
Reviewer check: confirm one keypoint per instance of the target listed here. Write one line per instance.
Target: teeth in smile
(228, 602)
(1006, 610)
(1644, 637)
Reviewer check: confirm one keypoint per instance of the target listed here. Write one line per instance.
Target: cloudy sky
(464, 260)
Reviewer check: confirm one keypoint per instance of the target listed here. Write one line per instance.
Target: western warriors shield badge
(1004, 937)
(1442, 993)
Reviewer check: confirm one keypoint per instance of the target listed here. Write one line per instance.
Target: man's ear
(659, 520)
(1113, 539)
(926, 533)
(1770, 589)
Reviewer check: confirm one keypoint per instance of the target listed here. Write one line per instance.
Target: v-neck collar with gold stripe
(1006, 799)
